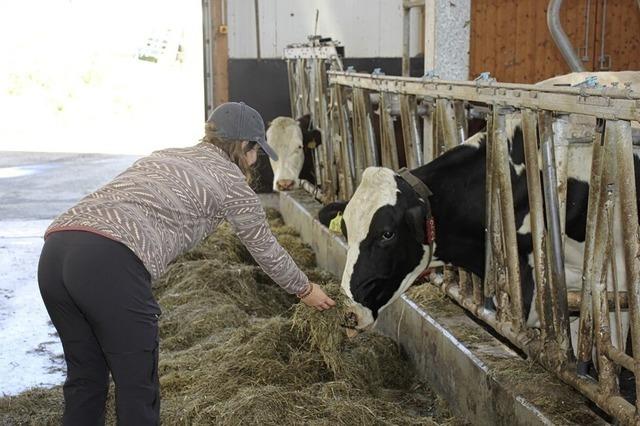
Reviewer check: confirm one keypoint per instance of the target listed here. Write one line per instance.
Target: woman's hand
(317, 298)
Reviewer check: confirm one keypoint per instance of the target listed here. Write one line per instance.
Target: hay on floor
(235, 349)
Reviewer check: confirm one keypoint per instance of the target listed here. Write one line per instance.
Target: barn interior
(90, 87)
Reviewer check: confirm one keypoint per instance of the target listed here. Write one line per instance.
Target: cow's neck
(457, 180)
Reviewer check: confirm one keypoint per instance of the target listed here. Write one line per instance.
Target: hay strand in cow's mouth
(235, 349)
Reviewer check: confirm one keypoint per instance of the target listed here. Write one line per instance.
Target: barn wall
(511, 39)
(368, 28)
(447, 24)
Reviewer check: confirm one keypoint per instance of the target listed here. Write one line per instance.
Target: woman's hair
(233, 148)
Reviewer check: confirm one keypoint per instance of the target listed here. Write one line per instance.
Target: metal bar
(406, 40)
(629, 210)
(413, 151)
(464, 281)
(598, 270)
(561, 136)
(461, 120)
(609, 103)
(557, 282)
(292, 86)
(448, 123)
(574, 298)
(428, 140)
(257, 14)
(388, 147)
(619, 357)
(501, 163)
(536, 217)
(560, 37)
(490, 243)
(530, 345)
(348, 166)
(585, 333)
(408, 4)
(478, 291)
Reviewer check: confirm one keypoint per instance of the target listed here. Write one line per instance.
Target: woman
(100, 257)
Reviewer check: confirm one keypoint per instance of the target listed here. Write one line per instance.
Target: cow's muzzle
(350, 324)
(285, 184)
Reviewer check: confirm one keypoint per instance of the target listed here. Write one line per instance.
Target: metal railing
(307, 66)
(433, 117)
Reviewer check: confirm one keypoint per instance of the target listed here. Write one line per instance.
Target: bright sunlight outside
(119, 77)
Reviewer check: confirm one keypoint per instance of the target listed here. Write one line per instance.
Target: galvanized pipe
(536, 217)
(598, 268)
(406, 40)
(412, 148)
(501, 163)
(585, 333)
(557, 283)
(629, 209)
(560, 37)
(388, 147)
(489, 242)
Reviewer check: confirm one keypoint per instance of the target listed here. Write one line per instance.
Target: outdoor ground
(34, 188)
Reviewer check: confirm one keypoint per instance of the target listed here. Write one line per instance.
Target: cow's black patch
(389, 253)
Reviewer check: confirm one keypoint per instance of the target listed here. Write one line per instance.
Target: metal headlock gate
(307, 65)
(433, 117)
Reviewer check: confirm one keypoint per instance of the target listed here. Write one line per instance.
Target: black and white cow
(294, 142)
(384, 223)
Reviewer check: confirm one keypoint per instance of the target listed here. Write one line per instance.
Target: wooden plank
(220, 55)
(524, 67)
(505, 43)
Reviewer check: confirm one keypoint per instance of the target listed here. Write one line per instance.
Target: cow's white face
(385, 252)
(285, 137)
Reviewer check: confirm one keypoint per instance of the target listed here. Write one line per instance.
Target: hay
(236, 349)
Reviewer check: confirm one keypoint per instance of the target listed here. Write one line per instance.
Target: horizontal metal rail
(608, 102)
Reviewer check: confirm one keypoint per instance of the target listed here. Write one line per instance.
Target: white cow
(293, 141)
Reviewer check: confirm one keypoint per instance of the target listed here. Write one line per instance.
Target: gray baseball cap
(238, 121)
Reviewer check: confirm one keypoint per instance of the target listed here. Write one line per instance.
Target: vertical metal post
(536, 216)
(388, 147)
(406, 39)
(491, 240)
(501, 163)
(629, 209)
(412, 148)
(555, 247)
(597, 271)
(293, 95)
(585, 333)
(428, 128)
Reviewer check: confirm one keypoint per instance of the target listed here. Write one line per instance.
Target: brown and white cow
(294, 142)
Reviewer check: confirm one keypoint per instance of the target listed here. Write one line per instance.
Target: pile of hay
(236, 349)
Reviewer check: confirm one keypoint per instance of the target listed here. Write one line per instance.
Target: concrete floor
(34, 189)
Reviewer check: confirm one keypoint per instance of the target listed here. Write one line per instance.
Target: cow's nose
(350, 322)
(284, 184)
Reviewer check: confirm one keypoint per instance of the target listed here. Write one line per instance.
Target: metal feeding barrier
(378, 120)
(307, 65)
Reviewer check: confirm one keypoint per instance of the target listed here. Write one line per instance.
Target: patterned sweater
(166, 203)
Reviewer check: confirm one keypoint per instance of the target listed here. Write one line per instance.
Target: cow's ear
(312, 139)
(415, 218)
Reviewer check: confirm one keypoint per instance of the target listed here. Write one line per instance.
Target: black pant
(98, 295)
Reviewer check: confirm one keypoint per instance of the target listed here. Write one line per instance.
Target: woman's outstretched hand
(318, 299)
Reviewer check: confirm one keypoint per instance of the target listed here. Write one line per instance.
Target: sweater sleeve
(244, 212)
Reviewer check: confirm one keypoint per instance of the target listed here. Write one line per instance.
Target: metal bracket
(484, 77)
(430, 75)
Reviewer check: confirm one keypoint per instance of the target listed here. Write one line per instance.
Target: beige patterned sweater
(166, 203)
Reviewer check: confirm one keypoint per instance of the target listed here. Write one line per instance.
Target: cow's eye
(387, 235)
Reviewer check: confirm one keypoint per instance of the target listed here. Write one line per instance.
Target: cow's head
(293, 141)
(385, 229)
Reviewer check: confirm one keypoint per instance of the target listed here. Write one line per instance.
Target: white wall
(367, 28)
